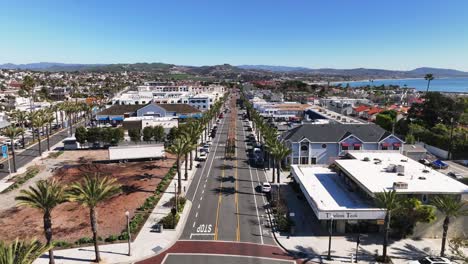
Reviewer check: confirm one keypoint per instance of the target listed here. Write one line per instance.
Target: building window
(304, 148)
(357, 147)
(304, 160)
(324, 145)
(384, 147)
(344, 147)
(425, 199)
(295, 160)
(396, 148)
(313, 160)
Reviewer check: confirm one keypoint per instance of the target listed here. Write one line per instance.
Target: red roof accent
(361, 108)
(374, 110)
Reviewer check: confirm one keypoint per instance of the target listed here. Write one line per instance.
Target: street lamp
(330, 232)
(358, 240)
(127, 214)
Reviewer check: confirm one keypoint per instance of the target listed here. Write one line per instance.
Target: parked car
(425, 162)
(455, 175)
(202, 156)
(431, 260)
(266, 187)
(438, 164)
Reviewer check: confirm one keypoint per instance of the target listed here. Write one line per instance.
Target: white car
(266, 187)
(455, 175)
(431, 260)
(202, 156)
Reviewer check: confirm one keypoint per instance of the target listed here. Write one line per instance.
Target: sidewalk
(145, 245)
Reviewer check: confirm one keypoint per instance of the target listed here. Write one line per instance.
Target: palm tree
(45, 197)
(450, 207)
(178, 148)
(37, 122)
(91, 193)
(28, 88)
(192, 133)
(48, 119)
(12, 133)
(389, 201)
(280, 154)
(21, 118)
(429, 77)
(21, 252)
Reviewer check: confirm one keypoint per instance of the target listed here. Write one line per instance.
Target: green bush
(61, 244)
(180, 202)
(123, 236)
(84, 240)
(283, 223)
(111, 238)
(21, 179)
(168, 221)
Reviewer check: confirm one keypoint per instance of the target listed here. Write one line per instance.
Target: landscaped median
(20, 179)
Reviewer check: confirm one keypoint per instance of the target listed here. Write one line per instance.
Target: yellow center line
(237, 204)
(219, 200)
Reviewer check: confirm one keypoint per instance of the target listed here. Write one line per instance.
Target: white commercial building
(345, 194)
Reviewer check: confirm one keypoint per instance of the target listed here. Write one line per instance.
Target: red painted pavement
(221, 248)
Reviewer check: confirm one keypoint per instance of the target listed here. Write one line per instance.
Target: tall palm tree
(192, 133)
(389, 201)
(429, 77)
(280, 154)
(90, 193)
(450, 207)
(37, 122)
(178, 148)
(48, 119)
(21, 118)
(45, 197)
(12, 133)
(28, 88)
(21, 252)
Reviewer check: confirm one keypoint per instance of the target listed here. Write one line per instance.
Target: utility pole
(449, 156)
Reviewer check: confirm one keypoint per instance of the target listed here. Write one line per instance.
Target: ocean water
(441, 85)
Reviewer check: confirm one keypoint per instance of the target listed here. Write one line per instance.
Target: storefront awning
(117, 118)
(103, 118)
(397, 144)
(357, 144)
(345, 144)
(385, 145)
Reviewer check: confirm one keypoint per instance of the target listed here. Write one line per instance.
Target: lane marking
(211, 165)
(201, 198)
(198, 206)
(203, 191)
(193, 225)
(219, 201)
(196, 215)
(255, 196)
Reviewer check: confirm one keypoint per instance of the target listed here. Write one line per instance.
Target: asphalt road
(226, 202)
(215, 259)
(32, 152)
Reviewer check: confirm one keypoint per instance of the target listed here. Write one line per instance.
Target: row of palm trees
(42, 120)
(274, 149)
(188, 136)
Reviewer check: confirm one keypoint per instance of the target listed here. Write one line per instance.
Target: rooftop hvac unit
(400, 169)
(400, 185)
(390, 168)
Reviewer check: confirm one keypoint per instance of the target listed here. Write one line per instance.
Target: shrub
(84, 240)
(61, 244)
(168, 221)
(180, 202)
(21, 179)
(111, 238)
(123, 236)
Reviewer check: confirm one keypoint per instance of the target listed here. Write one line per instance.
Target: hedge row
(21, 179)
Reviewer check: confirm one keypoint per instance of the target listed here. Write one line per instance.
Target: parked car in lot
(431, 260)
(425, 162)
(455, 175)
(266, 187)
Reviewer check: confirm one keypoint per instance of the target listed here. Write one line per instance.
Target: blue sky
(334, 33)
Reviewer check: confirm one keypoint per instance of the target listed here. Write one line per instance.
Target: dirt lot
(70, 221)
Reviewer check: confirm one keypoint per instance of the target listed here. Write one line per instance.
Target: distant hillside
(244, 71)
(48, 66)
(419, 72)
